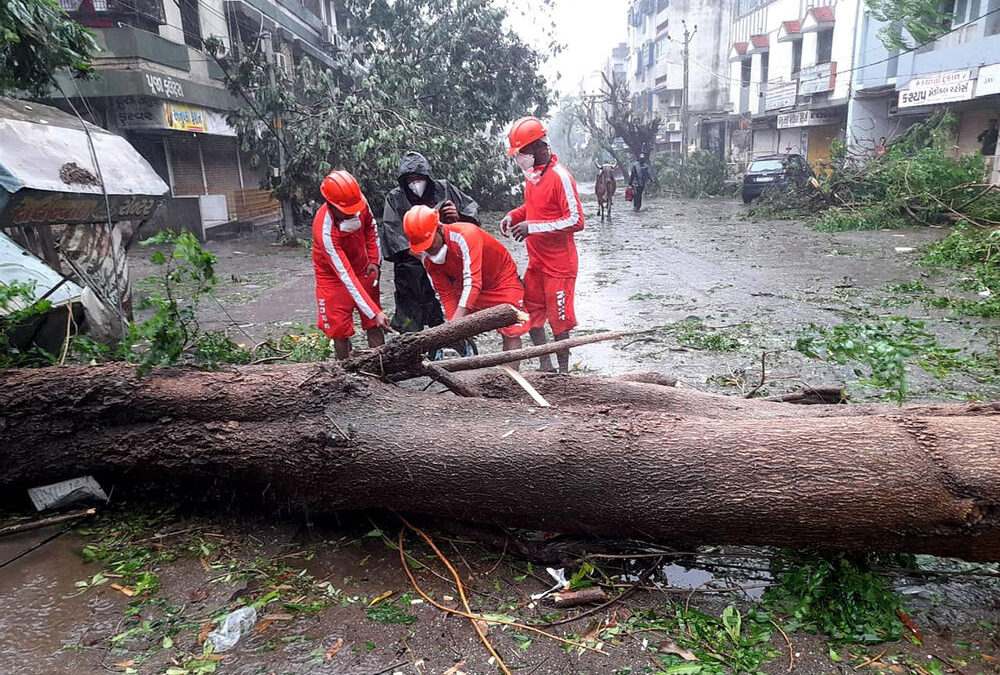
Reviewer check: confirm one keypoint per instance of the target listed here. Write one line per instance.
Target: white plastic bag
(236, 624)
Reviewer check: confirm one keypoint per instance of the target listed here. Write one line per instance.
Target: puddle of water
(40, 610)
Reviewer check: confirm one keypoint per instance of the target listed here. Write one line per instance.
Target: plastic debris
(236, 624)
(65, 493)
(560, 576)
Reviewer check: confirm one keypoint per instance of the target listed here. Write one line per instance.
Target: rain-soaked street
(701, 291)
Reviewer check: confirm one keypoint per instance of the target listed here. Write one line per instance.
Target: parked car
(774, 171)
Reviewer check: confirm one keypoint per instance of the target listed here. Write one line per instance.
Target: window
(796, 56)
(745, 72)
(191, 23)
(824, 46)
(965, 11)
(662, 5)
(765, 66)
(993, 18)
(661, 49)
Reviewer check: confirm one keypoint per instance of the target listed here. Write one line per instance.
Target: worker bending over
(551, 213)
(346, 263)
(468, 267)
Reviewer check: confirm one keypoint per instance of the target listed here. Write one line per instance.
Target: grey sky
(588, 29)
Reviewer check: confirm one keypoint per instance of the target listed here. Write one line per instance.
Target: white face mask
(527, 164)
(418, 187)
(439, 257)
(350, 225)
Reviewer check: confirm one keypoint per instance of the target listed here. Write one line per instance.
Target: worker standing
(469, 268)
(551, 213)
(416, 306)
(346, 263)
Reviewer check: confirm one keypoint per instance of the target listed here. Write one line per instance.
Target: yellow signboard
(185, 118)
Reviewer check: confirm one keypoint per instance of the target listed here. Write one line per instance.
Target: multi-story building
(960, 71)
(790, 74)
(158, 87)
(656, 68)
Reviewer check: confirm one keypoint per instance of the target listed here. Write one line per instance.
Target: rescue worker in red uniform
(346, 262)
(551, 213)
(468, 267)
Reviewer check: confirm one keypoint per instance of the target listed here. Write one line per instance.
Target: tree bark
(611, 458)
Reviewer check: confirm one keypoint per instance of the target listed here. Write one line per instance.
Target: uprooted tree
(621, 458)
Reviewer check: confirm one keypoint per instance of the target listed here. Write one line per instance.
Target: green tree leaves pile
(36, 39)
(443, 77)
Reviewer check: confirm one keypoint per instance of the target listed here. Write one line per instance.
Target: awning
(48, 175)
(818, 18)
(759, 44)
(790, 31)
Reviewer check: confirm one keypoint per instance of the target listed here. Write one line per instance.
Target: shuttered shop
(222, 169)
(971, 124)
(185, 164)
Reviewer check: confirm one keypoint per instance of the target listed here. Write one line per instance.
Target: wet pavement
(672, 275)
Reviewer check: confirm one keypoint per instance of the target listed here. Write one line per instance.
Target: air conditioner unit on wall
(673, 126)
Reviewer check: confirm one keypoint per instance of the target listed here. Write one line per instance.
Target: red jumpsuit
(340, 261)
(477, 273)
(553, 211)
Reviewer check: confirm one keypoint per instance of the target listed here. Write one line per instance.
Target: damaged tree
(620, 458)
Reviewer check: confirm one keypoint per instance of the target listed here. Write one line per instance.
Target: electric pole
(685, 113)
(287, 217)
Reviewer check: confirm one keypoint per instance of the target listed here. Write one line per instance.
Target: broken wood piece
(45, 522)
(500, 358)
(455, 384)
(532, 392)
(587, 596)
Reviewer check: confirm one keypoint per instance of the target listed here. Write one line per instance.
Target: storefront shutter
(186, 165)
(222, 171)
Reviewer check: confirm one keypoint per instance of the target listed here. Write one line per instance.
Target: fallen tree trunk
(612, 458)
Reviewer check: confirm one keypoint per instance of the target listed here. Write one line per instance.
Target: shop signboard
(988, 83)
(817, 79)
(33, 207)
(947, 87)
(780, 94)
(184, 117)
(808, 118)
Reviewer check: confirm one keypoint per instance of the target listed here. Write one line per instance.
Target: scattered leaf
(834, 656)
(380, 598)
(125, 664)
(671, 647)
(168, 642)
(124, 589)
(332, 651)
(732, 622)
(206, 628)
(262, 626)
(682, 669)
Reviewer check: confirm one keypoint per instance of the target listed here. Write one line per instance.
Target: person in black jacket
(641, 175)
(417, 306)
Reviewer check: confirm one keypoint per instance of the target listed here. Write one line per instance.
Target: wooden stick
(532, 392)
(45, 522)
(500, 358)
(439, 374)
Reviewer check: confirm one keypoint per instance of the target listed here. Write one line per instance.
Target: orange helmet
(342, 190)
(524, 132)
(420, 223)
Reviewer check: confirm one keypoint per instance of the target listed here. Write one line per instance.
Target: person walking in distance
(346, 264)
(641, 175)
(551, 213)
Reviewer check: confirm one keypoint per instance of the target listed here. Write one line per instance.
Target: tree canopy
(911, 23)
(442, 77)
(36, 39)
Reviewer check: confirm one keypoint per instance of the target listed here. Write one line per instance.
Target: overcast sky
(588, 29)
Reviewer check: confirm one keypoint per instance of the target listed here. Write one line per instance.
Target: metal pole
(287, 218)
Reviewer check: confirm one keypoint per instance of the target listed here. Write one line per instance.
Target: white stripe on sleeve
(574, 207)
(341, 268)
(466, 268)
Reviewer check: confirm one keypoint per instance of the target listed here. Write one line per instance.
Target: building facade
(960, 71)
(790, 75)
(656, 40)
(157, 86)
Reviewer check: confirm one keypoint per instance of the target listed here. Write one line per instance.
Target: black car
(774, 171)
